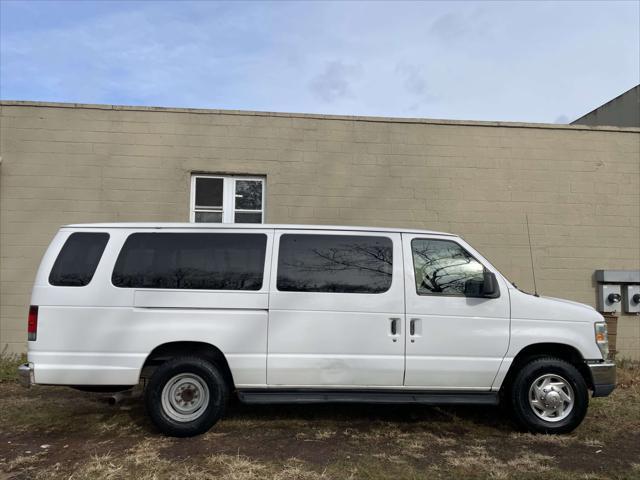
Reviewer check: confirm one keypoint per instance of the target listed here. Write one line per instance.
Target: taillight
(32, 324)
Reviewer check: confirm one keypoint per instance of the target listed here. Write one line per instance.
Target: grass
(9, 366)
(59, 433)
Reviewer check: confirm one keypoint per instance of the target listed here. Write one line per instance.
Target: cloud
(461, 24)
(562, 119)
(414, 81)
(420, 98)
(450, 26)
(335, 81)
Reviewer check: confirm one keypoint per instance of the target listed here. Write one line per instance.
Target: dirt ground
(55, 432)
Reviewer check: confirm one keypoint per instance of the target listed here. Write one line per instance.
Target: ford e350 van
(304, 314)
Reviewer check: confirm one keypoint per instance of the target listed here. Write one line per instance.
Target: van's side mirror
(490, 287)
(485, 287)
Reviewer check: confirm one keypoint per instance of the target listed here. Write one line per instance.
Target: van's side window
(78, 259)
(210, 261)
(442, 267)
(334, 263)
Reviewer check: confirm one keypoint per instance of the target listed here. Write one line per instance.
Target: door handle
(395, 327)
(412, 329)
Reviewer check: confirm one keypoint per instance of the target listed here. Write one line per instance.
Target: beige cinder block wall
(579, 185)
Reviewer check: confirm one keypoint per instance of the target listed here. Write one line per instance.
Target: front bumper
(25, 375)
(604, 378)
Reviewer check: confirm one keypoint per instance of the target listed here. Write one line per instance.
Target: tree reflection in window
(248, 195)
(443, 267)
(335, 263)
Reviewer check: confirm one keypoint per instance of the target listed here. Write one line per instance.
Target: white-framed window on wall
(226, 199)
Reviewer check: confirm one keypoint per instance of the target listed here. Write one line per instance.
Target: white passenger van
(304, 314)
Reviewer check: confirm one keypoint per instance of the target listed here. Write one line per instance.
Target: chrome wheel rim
(185, 397)
(551, 398)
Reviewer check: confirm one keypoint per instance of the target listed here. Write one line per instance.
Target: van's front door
(455, 338)
(336, 310)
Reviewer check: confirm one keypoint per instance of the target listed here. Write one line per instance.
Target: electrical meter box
(632, 299)
(609, 298)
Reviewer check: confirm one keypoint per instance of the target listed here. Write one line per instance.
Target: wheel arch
(169, 350)
(562, 351)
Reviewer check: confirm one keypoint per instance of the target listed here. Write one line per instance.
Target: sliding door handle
(412, 327)
(395, 326)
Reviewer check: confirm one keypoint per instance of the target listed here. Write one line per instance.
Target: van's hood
(570, 302)
(526, 306)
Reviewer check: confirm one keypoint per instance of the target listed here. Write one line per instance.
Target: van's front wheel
(186, 396)
(549, 395)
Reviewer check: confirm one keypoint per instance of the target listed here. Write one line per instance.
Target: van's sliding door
(336, 310)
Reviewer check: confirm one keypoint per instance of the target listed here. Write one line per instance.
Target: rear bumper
(604, 378)
(25, 375)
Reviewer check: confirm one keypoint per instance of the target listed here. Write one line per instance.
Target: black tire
(163, 417)
(519, 395)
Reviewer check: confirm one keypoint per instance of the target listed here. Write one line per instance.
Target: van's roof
(159, 226)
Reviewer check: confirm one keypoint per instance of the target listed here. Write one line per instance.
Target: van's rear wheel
(186, 396)
(549, 395)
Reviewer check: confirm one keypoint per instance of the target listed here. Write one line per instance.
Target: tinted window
(443, 267)
(78, 259)
(209, 192)
(334, 263)
(211, 261)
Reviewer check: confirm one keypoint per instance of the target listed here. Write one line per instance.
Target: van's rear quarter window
(197, 261)
(78, 259)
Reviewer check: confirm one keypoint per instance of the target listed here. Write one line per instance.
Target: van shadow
(356, 416)
(363, 416)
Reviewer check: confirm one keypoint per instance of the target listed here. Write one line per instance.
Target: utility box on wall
(609, 298)
(618, 291)
(631, 298)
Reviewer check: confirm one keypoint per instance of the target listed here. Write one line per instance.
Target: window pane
(209, 217)
(249, 194)
(209, 192)
(211, 261)
(248, 217)
(334, 263)
(78, 259)
(443, 267)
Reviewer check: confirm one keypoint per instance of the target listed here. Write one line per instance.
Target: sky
(506, 61)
